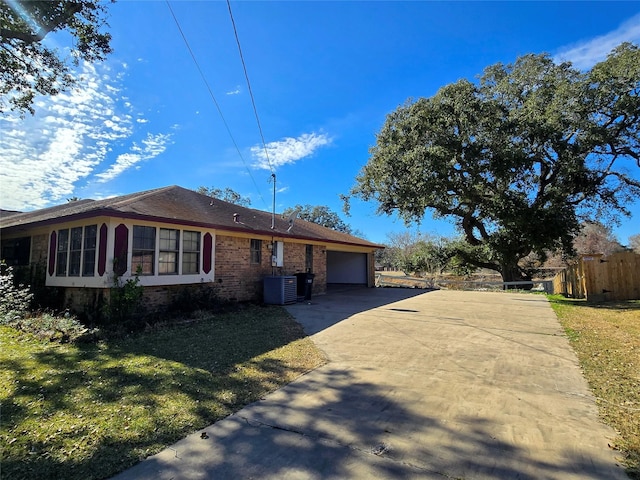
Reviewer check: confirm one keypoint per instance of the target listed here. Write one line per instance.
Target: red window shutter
(52, 253)
(120, 249)
(102, 252)
(206, 254)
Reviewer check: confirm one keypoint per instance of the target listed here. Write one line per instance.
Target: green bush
(14, 299)
(124, 309)
(59, 328)
(15, 313)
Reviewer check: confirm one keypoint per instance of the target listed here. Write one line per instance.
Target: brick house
(176, 238)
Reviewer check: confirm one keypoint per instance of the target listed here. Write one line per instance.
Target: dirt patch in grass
(606, 339)
(91, 411)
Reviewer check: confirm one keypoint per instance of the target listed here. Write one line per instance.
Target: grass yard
(606, 339)
(89, 411)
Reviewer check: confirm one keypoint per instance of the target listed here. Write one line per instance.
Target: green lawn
(606, 339)
(89, 411)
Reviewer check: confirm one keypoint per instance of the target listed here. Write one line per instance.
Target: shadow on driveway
(333, 425)
(424, 385)
(342, 302)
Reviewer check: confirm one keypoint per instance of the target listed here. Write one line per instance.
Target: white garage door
(347, 267)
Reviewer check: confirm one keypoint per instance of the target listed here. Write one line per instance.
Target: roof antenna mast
(273, 213)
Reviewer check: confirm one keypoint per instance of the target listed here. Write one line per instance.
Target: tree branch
(478, 263)
(25, 37)
(70, 10)
(469, 224)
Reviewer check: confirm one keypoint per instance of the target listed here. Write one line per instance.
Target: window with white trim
(89, 251)
(169, 251)
(76, 251)
(143, 255)
(177, 251)
(256, 251)
(190, 252)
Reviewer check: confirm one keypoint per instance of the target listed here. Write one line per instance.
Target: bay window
(76, 251)
(176, 251)
(89, 251)
(169, 251)
(143, 257)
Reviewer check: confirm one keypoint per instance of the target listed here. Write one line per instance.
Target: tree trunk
(512, 273)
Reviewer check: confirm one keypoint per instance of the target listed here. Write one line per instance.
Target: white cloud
(234, 92)
(153, 146)
(288, 150)
(42, 157)
(586, 54)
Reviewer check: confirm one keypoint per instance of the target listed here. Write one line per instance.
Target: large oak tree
(517, 159)
(29, 67)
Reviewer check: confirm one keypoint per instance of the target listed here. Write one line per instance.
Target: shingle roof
(6, 213)
(182, 206)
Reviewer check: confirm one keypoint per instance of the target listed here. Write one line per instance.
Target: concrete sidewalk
(444, 384)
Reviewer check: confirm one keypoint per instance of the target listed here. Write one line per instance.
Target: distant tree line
(425, 254)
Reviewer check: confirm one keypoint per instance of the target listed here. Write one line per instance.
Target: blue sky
(324, 75)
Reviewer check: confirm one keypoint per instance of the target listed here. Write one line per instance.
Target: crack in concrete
(252, 422)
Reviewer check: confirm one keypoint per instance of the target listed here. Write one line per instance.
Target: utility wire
(226, 125)
(253, 102)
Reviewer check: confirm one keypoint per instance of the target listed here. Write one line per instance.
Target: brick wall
(85, 301)
(295, 256)
(236, 279)
(39, 248)
(157, 299)
(240, 280)
(89, 301)
(320, 269)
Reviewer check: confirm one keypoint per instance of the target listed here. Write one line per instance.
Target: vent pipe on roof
(236, 218)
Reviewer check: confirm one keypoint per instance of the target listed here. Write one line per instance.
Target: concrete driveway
(443, 384)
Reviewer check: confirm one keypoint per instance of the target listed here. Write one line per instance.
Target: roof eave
(110, 212)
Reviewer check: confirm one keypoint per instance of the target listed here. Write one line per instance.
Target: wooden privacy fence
(598, 278)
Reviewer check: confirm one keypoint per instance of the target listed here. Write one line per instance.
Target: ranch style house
(176, 238)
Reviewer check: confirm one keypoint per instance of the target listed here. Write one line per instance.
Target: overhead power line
(213, 97)
(253, 102)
